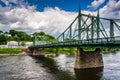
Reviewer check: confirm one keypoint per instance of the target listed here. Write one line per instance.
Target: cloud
(15, 3)
(8, 2)
(51, 20)
(111, 9)
(95, 4)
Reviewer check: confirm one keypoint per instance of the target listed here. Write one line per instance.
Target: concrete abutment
(39, 52)
(88, 60)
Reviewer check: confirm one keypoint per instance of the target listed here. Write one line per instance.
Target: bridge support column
(38, 53)
(88, 60)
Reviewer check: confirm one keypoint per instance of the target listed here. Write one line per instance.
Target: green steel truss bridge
(87, 31)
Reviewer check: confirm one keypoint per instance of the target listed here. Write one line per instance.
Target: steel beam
(111, 29)
(79, 24)
(98, 26)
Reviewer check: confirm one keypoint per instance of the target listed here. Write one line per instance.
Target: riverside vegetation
(23, 37)
(10, 50)
(69, 51)
(72, 51)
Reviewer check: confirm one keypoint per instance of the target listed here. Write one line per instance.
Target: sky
(50, 16)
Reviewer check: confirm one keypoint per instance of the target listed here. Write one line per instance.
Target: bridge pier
(39, 52)
(88, 60)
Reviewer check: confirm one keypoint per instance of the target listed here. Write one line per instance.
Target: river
(55, 68)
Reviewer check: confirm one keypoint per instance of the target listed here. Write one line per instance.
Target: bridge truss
(89, 27)
(88, 31)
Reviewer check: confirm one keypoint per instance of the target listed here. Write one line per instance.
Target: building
(13, 44)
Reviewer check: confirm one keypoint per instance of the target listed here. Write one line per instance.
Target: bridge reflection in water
(89, 74)
(80, 74)
(29, 68)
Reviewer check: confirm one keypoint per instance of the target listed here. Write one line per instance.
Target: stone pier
(38, 53)
(88, 60)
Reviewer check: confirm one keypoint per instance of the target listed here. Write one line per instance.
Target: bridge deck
(113, 42)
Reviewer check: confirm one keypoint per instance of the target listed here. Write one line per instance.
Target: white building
(3, 46)
(13, 44)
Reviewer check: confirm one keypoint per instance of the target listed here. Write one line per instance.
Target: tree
(3, 39)
(12, 32)
(23, 36)
(1, 32)
(6, 33)
(50, 37)
(23, 43)
(41, 33)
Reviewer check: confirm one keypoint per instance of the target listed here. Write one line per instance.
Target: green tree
(23, 43)
(41, 33)
(13, 32)
(41, 36)
(1, 31)
(23, 36)
(49, 37)
(3, 39)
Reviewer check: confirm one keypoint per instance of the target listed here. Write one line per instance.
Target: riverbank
(50, 51)
(20, 54)
(11, 51)
(72, 51)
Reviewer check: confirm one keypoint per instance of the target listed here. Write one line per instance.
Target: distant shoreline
(49, 52)
(13, 54)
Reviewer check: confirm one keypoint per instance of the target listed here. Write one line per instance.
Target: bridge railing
(91, 41)
(83, 43)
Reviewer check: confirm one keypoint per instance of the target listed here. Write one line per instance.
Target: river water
(55, 68)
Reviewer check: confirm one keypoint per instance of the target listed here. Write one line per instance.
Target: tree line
(20, 36)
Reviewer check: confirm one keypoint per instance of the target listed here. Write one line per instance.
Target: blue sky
(67, 5)
(50, 16)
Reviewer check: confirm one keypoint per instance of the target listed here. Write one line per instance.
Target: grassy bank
(104, 50)
(60, 50)
(74, 50)
(70, 51)
(10, 51)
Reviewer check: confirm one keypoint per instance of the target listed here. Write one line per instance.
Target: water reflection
(53, 68)
(89, 74)
(56, 68)
(59, 74)
(48, 63)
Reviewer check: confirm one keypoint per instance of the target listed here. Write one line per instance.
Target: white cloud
(51, 20)
(7, 2)
(95, 4)
(20, 3)
(111, 9)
